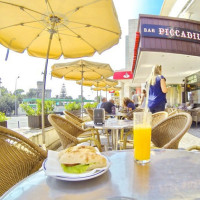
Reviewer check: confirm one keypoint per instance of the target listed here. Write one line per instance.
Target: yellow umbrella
(107, 88)
(52, 28)
(81, 70)
(99, 83)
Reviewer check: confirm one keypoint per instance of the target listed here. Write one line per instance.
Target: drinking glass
(142, 136)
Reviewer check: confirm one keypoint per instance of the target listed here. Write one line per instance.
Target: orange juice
(142, 142)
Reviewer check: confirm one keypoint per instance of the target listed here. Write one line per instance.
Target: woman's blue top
(131, 105)
(156, 96)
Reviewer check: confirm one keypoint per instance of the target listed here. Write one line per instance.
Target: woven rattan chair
(90, 112)
(20, 157)
(169, 132)
(124, 136)
(73, 116)
(195, 147)
(91, 132)
(158, 117)
(79, 122)
(69, 132)
(172, 113)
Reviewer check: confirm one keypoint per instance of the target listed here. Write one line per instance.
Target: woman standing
(157, 90)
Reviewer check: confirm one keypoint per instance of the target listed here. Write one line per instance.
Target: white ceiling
(175, 67)
(191, 11)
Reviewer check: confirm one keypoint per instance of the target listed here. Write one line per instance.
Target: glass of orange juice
(142, 136)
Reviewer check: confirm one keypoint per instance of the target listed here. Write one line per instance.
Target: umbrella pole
(82, 92)
(44, 86)
(97, 93)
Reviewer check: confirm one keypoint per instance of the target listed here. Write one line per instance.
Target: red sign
(137, 41)
(123, 75)
(112, 91)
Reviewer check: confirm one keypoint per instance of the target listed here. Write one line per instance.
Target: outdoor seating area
(99, 101)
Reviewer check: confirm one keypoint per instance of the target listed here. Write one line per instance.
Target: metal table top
(171, 174)
(112, 123)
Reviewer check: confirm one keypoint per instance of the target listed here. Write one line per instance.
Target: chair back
(20, 157)
(76, 121)
(169, 132)
(67, 130)
(172, 113)
(129, 115)
(158, 117)
(90, 112)
(73, 116)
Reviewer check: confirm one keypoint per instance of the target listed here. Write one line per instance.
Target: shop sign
(112, 91)
(170, 32)
(116, 94)
(123, 75)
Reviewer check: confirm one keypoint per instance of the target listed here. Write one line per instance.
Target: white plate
(52, 168)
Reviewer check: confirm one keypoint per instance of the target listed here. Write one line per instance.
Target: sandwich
(79, 159)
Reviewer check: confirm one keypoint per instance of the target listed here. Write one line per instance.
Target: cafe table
(115, 125)
(117, 114)
(171, 174)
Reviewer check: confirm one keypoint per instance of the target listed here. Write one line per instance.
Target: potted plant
(3, 119)
(34, 115)
(74, 108)
(90, 105)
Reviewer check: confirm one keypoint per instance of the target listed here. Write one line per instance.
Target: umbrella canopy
(99, 83)
(107, 88)
(52, 28)
(81, 70)
(80, 27)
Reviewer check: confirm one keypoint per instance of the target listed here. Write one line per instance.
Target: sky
(30, 69)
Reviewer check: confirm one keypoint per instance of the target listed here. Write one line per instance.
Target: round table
(171, 174)
(115, 125)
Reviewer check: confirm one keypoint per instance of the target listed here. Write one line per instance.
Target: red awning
(123, 75)
(137, 41)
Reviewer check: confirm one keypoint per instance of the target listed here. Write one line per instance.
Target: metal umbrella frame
(81, 70)
(52, 28)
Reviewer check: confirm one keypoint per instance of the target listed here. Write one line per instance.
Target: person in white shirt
(143, 101)
(135, 98)
(102, 101)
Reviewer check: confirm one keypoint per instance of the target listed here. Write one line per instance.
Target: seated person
(108, 106)
(128, 103)
(102, 101)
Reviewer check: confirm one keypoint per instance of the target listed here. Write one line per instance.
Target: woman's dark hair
(126, 101)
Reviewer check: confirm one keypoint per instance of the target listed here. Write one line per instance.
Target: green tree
(31, 93)
(7, 103)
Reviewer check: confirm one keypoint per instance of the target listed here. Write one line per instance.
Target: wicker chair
(196, 115)
(193, 148)
(124, 137)
(90, 112)
(169, 132)
(69, 132)
(79, 122)
(158, 117)
(91, 132)
(172, 113)
(73, 116)
(20, 157)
